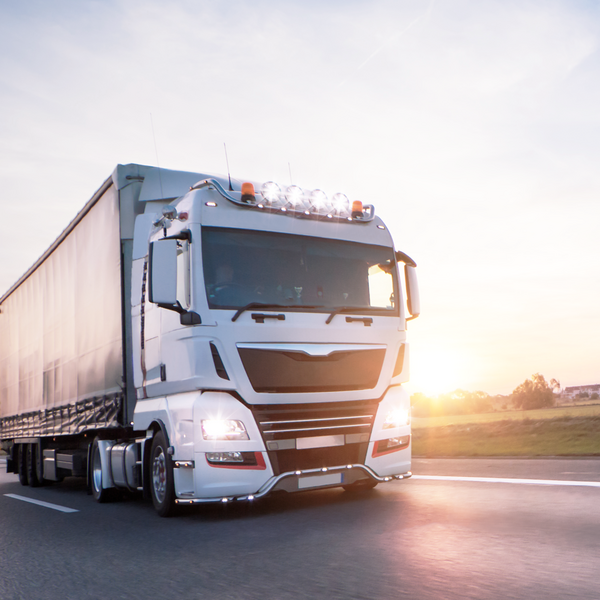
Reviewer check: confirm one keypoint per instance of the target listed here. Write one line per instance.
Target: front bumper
(308, 479)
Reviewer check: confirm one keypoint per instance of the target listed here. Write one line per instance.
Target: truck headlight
(398, 417)
(223, 429)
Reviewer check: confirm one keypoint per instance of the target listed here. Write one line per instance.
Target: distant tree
(594, 396)
(479, 402)
(460, 402)
(535, 393)
(583, 395)
(453, 403)
(420, 405)
(500, 402)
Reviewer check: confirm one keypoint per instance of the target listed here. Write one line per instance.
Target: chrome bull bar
(276, 482)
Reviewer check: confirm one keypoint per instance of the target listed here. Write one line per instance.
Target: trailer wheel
(161, 477)
(39, 465)
(361, 486)
(22, 464)
(31, 461)
(100, 494)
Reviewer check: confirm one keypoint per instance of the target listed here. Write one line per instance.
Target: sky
(473, 126)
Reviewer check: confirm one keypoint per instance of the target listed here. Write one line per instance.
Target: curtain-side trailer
(200, 339)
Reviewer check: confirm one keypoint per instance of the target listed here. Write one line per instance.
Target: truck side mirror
(163, 272)
(412, 285)
(412, 292)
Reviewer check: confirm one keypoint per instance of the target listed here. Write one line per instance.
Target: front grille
(286, 427)
(290, 371)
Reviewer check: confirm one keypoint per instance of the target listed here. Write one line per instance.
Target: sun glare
(437, 371)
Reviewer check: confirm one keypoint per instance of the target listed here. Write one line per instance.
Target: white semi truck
(199, 339)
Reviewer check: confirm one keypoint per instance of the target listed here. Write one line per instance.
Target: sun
(435, 371)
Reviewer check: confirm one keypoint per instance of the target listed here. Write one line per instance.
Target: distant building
(573, 391)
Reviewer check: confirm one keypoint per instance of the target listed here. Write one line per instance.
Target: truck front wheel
(100, 493)
(161, 477)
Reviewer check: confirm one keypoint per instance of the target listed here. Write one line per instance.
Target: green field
(574, 433)
(590, 410)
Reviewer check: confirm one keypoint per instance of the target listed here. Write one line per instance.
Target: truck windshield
(243, 267)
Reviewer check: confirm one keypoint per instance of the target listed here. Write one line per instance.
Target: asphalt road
(420, 539)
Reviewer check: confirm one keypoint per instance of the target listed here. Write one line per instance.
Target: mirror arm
(405, 258)
(184, 234)
(186, 317)
(175, 307)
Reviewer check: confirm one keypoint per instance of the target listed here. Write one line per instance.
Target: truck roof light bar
(294, 201)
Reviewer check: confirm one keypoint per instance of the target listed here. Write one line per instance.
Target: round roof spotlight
(341, 204)
(294, 195)
(270, 192)
(319, 201)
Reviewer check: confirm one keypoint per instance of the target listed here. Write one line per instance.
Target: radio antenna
(156, 151)
(228, 173)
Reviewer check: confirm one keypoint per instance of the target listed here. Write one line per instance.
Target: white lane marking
(506, 480)
(42, 503)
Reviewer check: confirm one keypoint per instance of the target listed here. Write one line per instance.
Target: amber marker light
(248, 193)
(357, 209)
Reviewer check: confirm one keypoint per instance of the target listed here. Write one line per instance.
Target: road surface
(423, 539)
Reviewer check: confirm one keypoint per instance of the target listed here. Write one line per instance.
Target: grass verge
(560, 436)
(591, 410)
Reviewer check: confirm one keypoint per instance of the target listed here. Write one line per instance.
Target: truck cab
(271, 346)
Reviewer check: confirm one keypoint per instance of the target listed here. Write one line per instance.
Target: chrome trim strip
(316, 420)
(316, 428)
(312, 349)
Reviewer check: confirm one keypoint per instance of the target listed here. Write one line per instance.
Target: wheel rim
(97, 471)
(159, 476)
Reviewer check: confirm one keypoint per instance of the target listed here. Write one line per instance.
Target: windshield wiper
(270, 307)
(351, 309)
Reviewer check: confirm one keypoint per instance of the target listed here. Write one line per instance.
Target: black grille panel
(278, 371)
(284, 461)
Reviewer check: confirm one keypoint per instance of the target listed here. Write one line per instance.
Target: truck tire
(22, 464)
(162, 489)
(31, 461)
(100, 494)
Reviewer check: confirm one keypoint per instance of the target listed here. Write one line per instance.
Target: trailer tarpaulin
(61, 327)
